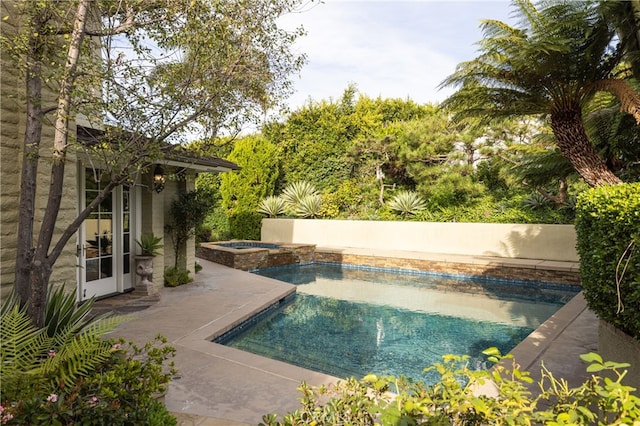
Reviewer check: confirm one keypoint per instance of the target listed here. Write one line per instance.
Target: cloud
(391, 49)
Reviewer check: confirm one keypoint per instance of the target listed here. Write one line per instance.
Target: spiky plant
(296, 191)
(32, 360)
(407, 203)
(272, 206)
(536, 201)
(309, 206)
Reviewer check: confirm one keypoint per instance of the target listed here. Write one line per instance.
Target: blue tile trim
(482, 278)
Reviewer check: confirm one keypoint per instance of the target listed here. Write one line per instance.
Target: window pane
(106, 267)
(92, 269)
(105, 205)
(126, 263)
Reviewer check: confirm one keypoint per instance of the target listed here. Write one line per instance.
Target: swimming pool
(350, 321)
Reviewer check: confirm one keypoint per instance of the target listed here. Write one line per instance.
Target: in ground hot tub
(249, 255)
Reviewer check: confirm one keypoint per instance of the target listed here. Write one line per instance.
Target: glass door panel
(98, 244)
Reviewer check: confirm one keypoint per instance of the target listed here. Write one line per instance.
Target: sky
(391, 49)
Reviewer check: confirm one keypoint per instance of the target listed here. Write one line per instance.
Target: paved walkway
(219, 385)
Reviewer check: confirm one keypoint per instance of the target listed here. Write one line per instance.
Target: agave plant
(272, 206)
(407, 203)
(295, 192)
(309, 206)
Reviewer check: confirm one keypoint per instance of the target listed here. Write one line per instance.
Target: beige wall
(547, 242)
(154, 213)
(12, 127)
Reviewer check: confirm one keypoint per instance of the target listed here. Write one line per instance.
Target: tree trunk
(575, 146)
(29, 172)
(42, 263)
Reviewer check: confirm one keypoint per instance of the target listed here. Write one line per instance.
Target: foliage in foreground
(456, 400)
(608, 233)
(65, 373)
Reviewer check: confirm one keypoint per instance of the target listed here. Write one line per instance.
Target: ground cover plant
(67, 373)
(455, 400)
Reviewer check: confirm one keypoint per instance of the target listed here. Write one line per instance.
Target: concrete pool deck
(219, 385)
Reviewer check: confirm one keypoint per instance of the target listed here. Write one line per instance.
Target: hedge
(608, 242)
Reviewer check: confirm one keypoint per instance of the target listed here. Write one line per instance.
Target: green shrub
(74, 376)
(608, 242)
(187, 212)
(455, 399)
(349, 199)
(217, 226)
(174, 276)
(245, 225)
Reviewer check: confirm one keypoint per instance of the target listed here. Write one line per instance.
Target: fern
(22, 343)
(31, 356)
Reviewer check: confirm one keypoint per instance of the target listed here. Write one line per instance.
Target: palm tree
(552, 65)
(625, 16)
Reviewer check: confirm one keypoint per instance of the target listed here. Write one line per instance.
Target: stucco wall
(547, 242)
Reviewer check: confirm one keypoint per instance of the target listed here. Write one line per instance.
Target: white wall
(546, 242)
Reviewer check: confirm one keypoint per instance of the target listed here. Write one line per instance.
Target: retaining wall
(515, 241)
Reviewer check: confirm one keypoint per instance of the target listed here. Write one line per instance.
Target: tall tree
(553, 64)
(147, 72)
(625, 15)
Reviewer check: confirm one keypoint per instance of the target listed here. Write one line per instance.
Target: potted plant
(150, 246)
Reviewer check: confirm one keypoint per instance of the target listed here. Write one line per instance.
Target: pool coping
(237, 387)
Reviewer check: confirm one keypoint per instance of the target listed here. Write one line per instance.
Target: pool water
(348, 321)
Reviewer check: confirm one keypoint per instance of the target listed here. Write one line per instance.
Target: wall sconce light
(158, 179)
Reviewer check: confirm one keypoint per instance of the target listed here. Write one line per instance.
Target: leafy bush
(456, 400)
(174, 276)
(74, 376)
(349, 199)
(452, 188)
(608, 242)
(245, 225)
(217, 226)
(187, 212)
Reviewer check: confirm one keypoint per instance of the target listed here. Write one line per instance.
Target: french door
(105, 245)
